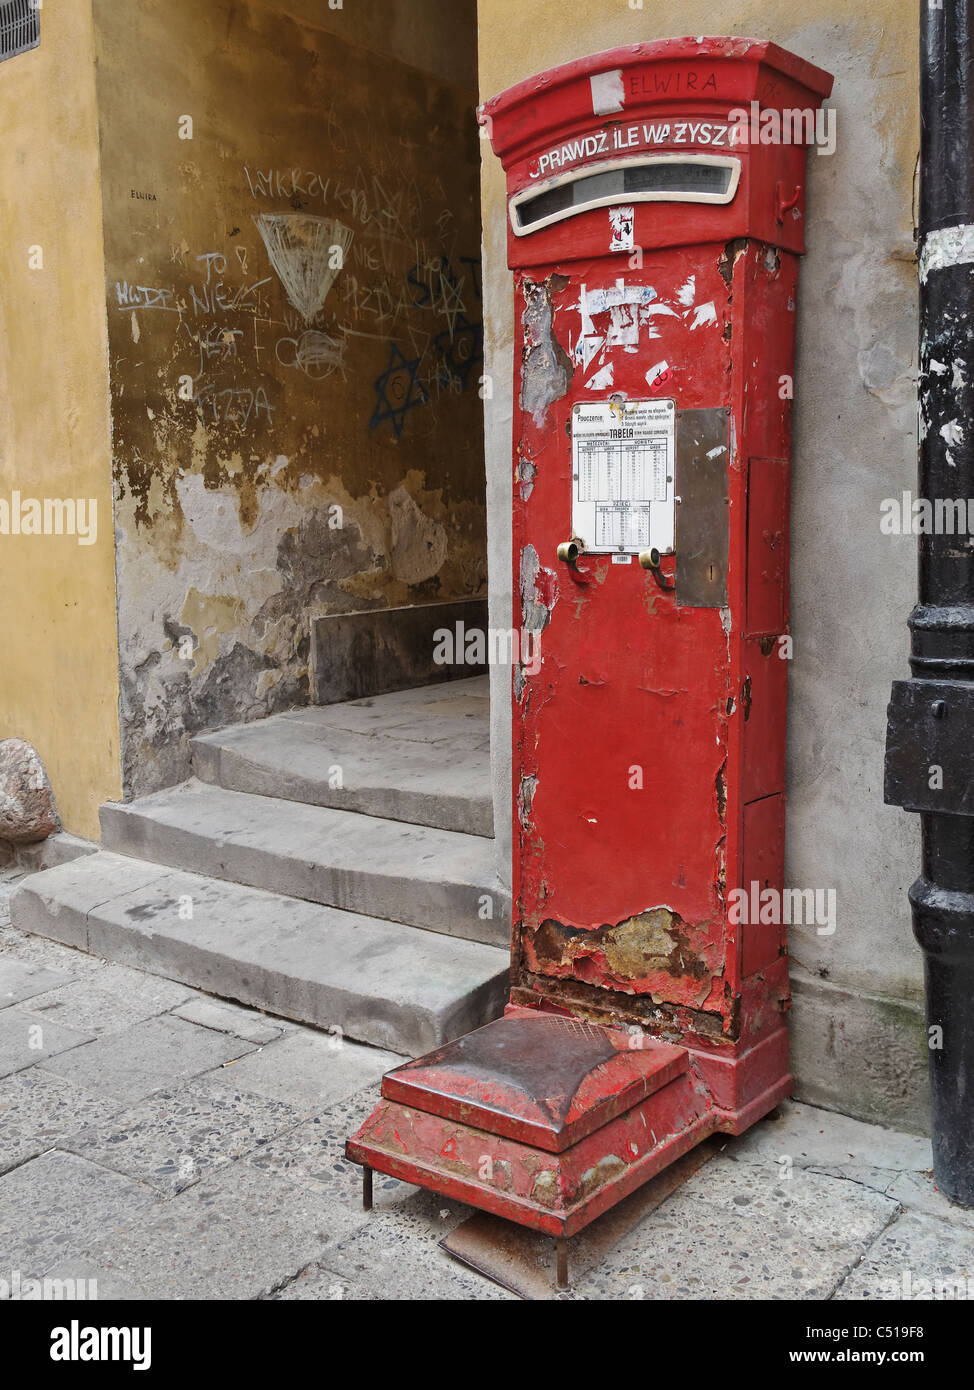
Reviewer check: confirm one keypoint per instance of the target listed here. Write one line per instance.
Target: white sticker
(608, 92)
(657, 374)
(622, 559)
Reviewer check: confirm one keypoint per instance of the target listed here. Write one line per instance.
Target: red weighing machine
(656, 202)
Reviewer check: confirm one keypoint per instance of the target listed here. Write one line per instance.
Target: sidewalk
(169, 1145)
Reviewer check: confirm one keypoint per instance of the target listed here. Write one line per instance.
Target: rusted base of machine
(549, 1121)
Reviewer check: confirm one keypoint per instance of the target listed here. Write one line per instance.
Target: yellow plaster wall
(59, 656)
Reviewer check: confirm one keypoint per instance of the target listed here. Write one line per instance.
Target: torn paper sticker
(601, 379)
(621, 223)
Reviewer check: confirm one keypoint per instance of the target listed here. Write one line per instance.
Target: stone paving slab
(231, 1018)
(802, 1136)
(20, 980)
(916, 1257)
(310, 1070)
(147, 1057)
(395, 1256)
(917, 1192)
(26, 1039)
(733, 1234)
(239, 1234)
(110, 1001)
(350, 1113)
(380, 1266)
(176, 1138)
(38, 1109)
(53, 1206)
(316, 1285)
(314, 1151)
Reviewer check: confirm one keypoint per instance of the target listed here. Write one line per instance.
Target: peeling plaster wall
(295, 345)
(858, 1041)
(59, 667)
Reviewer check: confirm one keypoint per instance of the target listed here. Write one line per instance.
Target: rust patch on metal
(545, 1188)
(668, 1022)
(607, 1168)
(728, 258)
(639, 946)
(502, 1178)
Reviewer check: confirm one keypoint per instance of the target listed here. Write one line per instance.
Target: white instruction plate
(623, 455)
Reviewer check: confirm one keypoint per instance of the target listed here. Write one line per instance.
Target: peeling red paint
(632, 678)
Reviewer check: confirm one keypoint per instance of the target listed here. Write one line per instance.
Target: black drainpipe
(930, 735)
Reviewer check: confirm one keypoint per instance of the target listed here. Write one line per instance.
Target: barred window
(20, 27)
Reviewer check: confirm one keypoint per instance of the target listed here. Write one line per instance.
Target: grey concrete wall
(858, 1040)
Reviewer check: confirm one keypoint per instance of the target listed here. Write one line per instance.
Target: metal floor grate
(20, 27)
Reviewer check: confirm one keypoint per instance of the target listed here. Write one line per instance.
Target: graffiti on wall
(427, 318)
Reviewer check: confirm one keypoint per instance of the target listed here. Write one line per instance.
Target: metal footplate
(543, 1119)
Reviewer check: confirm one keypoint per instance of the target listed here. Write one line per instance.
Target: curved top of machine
(722, 71)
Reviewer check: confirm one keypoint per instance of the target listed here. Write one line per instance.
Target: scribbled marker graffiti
(307, 253)
(441, 290)
(316, 354)
(233, 406)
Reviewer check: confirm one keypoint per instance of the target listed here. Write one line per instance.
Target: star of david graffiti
(397, 391)
(461, 348)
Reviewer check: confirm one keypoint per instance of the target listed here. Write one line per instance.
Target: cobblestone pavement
(170, 1145)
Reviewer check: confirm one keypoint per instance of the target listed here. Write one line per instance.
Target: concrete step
(378, 982)
(436, 879)
(421, 756)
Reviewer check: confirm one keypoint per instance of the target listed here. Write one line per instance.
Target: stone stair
(421, 756)
(333, 865)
